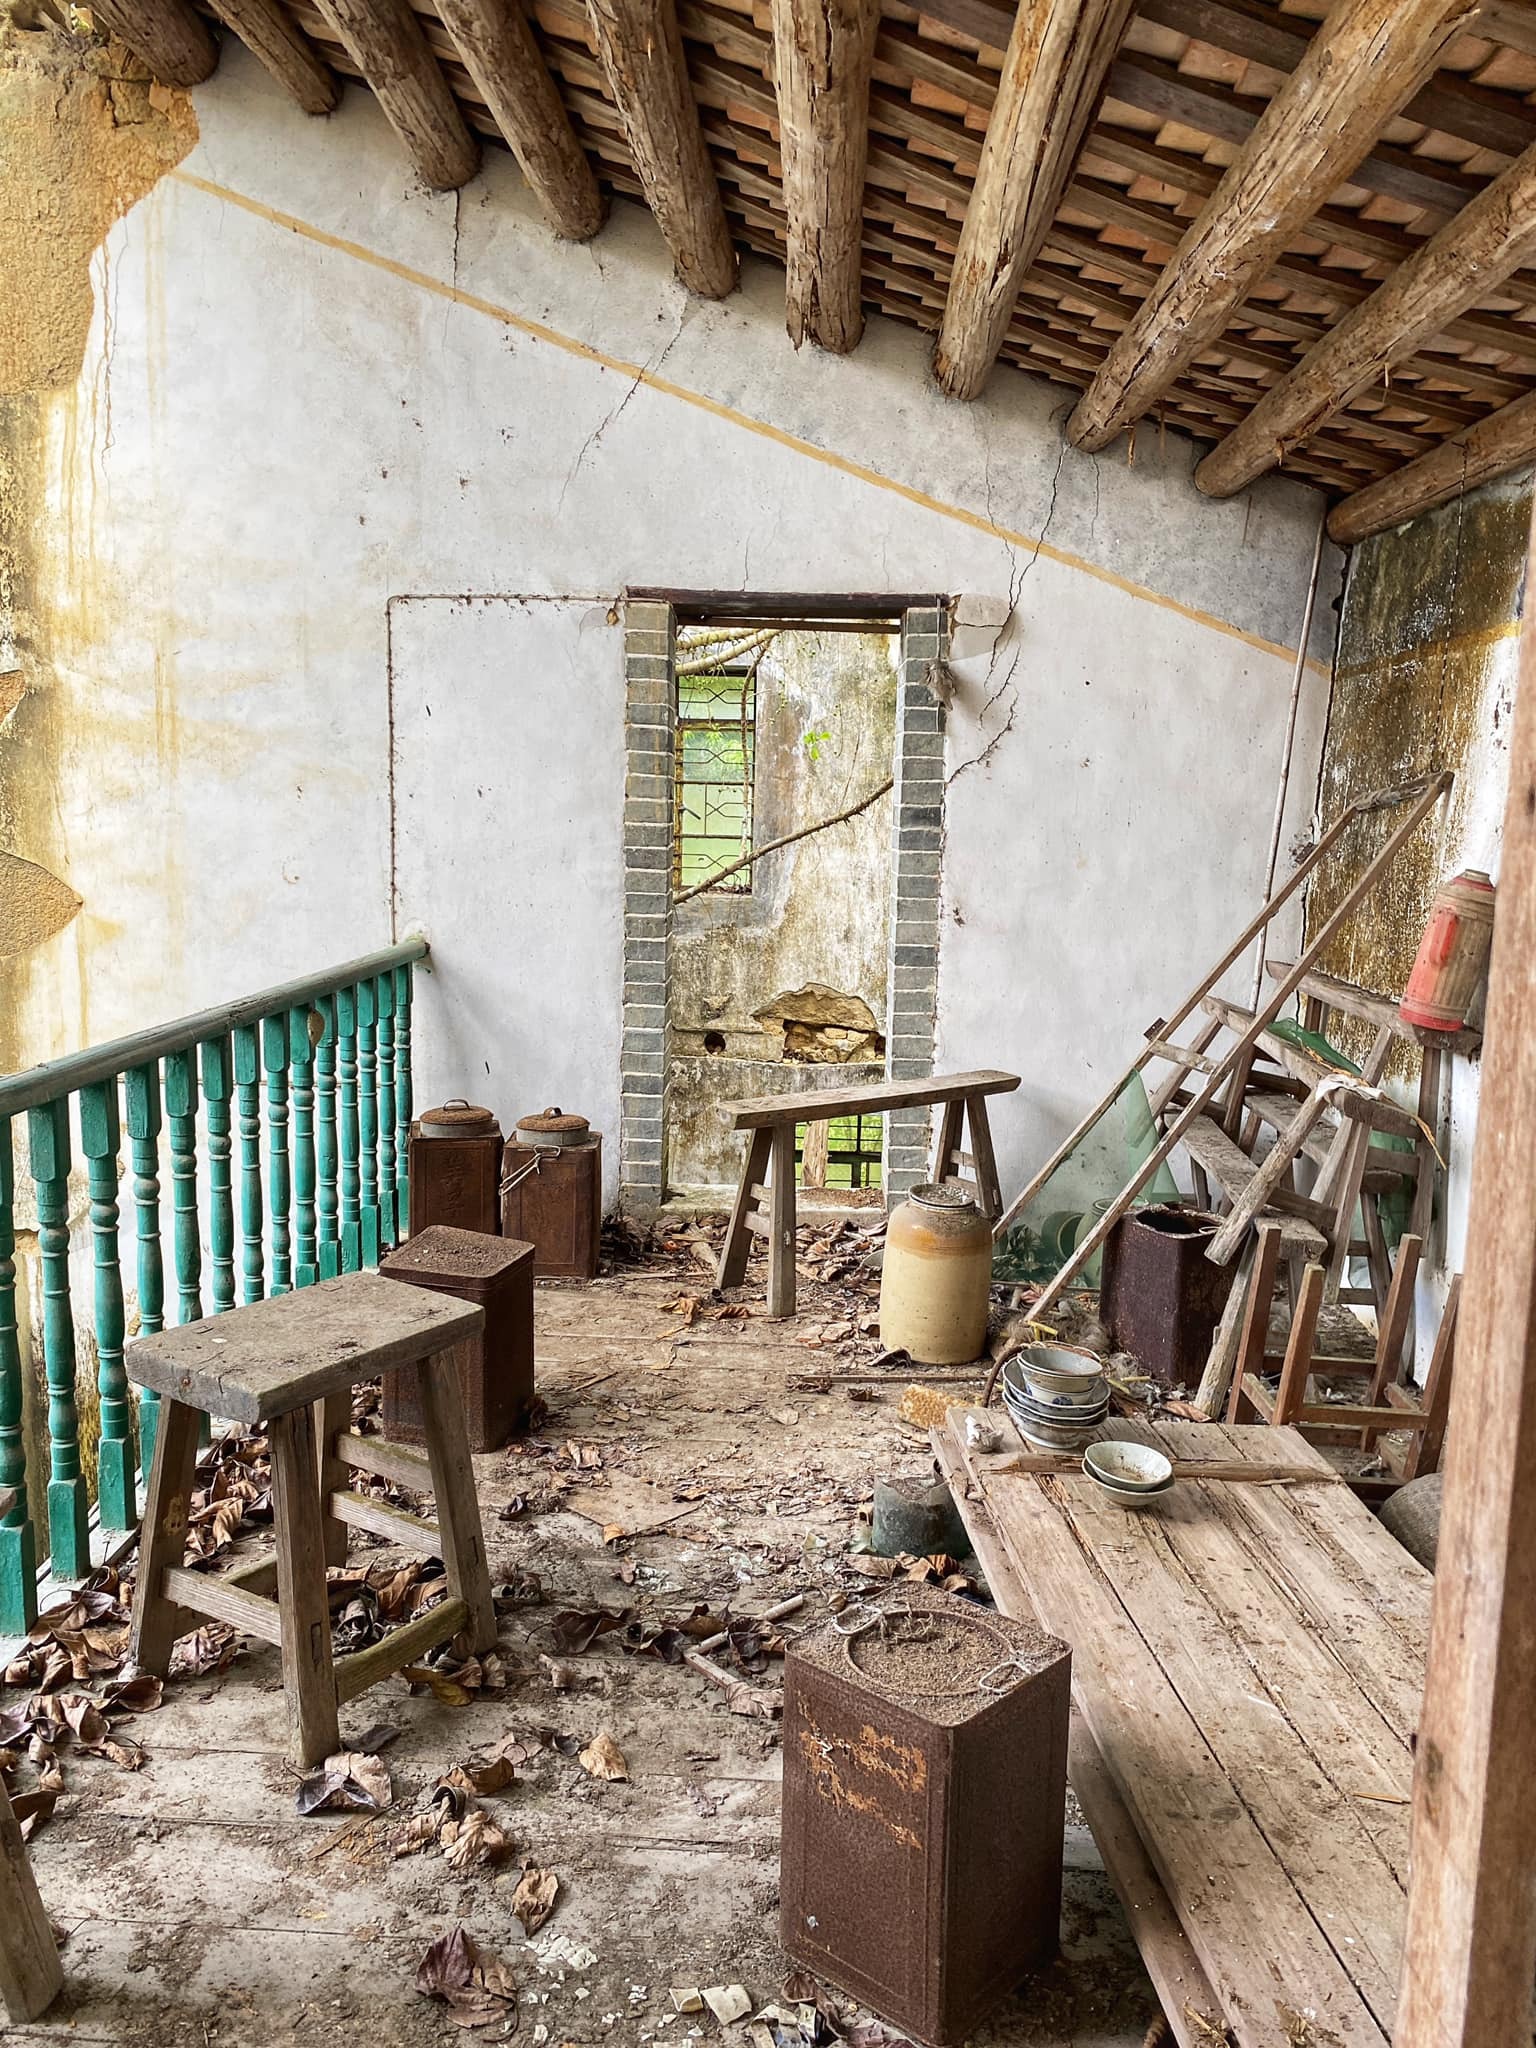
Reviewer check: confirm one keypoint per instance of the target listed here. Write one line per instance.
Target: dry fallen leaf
(482, 1776)
(478, 1989)
(350, 1781)
(474, 1840)
(602, 1758)
(534, 1899)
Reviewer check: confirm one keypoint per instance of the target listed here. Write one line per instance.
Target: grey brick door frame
(650, 718)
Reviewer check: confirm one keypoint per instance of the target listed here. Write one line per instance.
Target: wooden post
(1359, 70)
(502, 55)
(31, 1976)
(781, 1219)
(169, 37)
(823, 51)
(641, 47)
(68, 1509)
(389, 47)
(278, 43)
(1469, 1952)
(1059, 52)
(116, 1458)
(1253, 1343)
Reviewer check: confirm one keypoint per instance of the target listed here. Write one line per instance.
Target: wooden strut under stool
(1389, 1406)
(288, 1365)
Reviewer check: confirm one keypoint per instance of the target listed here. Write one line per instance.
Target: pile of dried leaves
(476, 1987)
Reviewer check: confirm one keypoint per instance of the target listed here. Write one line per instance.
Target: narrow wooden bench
(289, 1365)
(765, 1199)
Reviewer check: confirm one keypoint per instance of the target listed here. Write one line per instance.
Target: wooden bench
(765, 1200)
(1248, 1669)
(289, 1365)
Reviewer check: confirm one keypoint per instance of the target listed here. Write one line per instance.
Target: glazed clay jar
(936, 1278)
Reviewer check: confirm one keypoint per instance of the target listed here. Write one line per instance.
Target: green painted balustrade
(303, 1097)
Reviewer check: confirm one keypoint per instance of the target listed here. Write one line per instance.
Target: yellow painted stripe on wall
(637, 373)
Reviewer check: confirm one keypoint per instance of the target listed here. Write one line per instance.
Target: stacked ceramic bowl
(1056, 1394)
(1130, 1475)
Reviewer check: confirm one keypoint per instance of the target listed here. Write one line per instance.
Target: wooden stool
(288, 1366)
(765, 1199)
(31, 1976)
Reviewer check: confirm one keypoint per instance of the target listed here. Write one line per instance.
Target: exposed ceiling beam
(1053, 75)
(1364, 62)
(388, 47)
(276, 41)
(1502, 442)
(1492, 235)
(501, 54)
(1157, 88)
(167, 36)
(823, 53)
(1493, 120)
(642, 51)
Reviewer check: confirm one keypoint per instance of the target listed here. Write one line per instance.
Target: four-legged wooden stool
(289, 1365)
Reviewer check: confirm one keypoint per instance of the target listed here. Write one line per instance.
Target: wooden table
(765, 1200)
(1248, 1667)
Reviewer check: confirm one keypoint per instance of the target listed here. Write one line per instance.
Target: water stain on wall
(84, 134)
(1421, 683)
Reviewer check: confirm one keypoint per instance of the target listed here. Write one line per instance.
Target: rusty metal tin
(552, 1198)
(1161, 1298)
(454, 1171)
(495, 1368)
(925, 1781)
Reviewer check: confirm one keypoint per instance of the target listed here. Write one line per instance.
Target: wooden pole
(1364, 63)
(1493, 235)
(388, 46)
(169, 37)
(641, 47)
(1059, 52)
(1469, 1953)
(823, 51)
(1489, 448)
(502, 55)
(275, 40)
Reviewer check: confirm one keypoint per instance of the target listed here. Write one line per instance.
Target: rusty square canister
(455, 1167)
(495, 1368)
(925, 1773)
(1160, 1297)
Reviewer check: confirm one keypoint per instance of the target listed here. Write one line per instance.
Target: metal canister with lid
(552, 1193)
(455, 1166)
(936, 1276)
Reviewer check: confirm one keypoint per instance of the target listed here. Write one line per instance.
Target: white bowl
(1136, 1468)
(1129, 1497)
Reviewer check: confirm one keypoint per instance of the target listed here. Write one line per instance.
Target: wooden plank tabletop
(758, 1112)
(258, 1361)
(1249, 1658)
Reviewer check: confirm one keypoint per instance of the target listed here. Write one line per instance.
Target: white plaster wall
(316, 392)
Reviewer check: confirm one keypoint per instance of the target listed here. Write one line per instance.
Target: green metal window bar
(716, 736)
(329, 1057)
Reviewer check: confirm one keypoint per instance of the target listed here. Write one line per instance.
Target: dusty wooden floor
(200, 1909)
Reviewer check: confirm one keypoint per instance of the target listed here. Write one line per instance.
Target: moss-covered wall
(1425, 679)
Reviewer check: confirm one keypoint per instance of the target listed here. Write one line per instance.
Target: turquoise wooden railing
(321, 1186)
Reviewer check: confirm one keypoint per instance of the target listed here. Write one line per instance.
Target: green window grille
(715, 749)
(853, 1151)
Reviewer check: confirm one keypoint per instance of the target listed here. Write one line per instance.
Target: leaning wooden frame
(1421, 797)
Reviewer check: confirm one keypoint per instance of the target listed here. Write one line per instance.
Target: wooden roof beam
(823, 53)
(1367, 59)
(169, 37)
(387, 45)
(641, 47)
(276, 41)
(499, 50)
(1492, 235)
(1057, 58)
(1494, 446)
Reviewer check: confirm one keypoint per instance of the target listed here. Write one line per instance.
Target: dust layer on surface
(1423, 642)
(84, 134)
